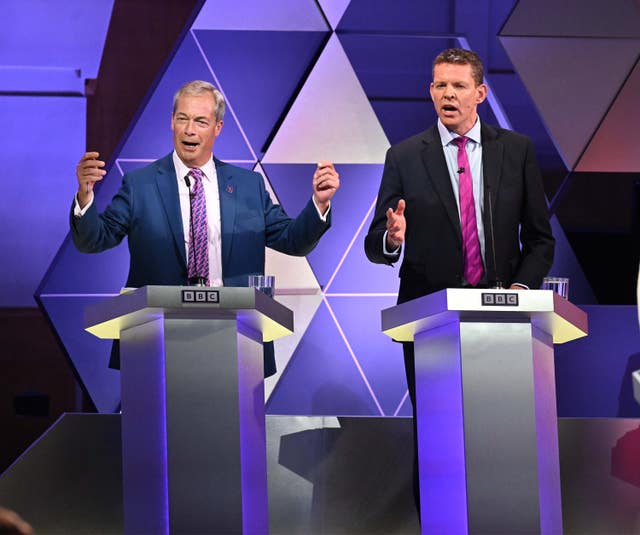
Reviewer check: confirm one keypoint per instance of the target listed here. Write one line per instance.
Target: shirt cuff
(321, 215)
(77, 211)
(395, 252)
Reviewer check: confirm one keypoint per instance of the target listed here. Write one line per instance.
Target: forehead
(196, 105)
(452, 72)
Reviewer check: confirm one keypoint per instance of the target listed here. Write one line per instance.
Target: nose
(188, 129)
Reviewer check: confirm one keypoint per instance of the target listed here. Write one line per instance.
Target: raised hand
(326, 181)
(88, 172)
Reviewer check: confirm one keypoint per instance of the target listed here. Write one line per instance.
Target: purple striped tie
(473, 269)
(198, 242)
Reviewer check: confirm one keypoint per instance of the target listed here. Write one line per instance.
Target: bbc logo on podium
(509, 299)
(200, 296)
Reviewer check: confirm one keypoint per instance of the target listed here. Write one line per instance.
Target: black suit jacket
(416, 170)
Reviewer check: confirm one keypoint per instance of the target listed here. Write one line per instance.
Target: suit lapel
(168, 188)
(227, 190)
(492, 154)
(438, 173)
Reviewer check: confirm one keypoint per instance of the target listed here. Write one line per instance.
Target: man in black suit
(419, 202)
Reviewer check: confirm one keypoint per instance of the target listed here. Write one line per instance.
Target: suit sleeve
(296, 237)
(389, 194)
(536, 237)
(94, 232)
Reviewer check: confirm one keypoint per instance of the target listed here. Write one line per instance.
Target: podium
(193, 426)
(486, 407)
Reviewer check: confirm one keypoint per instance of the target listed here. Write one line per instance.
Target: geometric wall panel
(331, 118)
(278, 15)
(333, 10)
(380, 358)
(573, 82)
(565, 264)
(398, 17)
(358, 189)
(33, 197)
(260, 70)
(323, 377)
(151, 135)
(614, 147)
(574, 18)
(298, 94)
(90, 356)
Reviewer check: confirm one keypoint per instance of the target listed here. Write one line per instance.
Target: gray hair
(198, 87)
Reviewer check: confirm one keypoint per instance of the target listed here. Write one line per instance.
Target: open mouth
(190, 144)
(449, 108)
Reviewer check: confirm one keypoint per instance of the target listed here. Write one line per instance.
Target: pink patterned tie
(198, 242)
(473, 269)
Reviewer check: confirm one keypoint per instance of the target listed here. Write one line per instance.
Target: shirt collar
(446, 136)
(209, 168)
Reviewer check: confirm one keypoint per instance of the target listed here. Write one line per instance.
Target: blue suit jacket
(146, 209)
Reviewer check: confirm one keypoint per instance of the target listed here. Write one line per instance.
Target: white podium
(486, 406)
(193, 428)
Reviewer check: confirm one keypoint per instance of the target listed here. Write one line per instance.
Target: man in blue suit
(152, 207)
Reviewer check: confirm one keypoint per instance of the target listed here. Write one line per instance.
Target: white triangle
(331, 119)
(333, 10)
(293, 273)
(304, 308)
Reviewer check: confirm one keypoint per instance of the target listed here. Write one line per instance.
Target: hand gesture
(396, 226)
(88, 172)
(326, 181)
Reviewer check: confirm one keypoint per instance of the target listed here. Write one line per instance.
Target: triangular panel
(333, 10)
(89, 355)
(304, 308)
(559, 74)
(349, 207)
(380, 358)
(574, 18)
(151, 137)
(279, 15)
(331, 119)
(260, 72)
(611, 150)
(322, 378)
(293, 273)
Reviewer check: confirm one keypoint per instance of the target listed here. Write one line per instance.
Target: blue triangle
(151, 136)
(260, 72)
(380, 358)
(358, 188)
(89, 355)
(321, 377)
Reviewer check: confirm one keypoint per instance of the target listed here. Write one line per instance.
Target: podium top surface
(545, 310)
(249, 306)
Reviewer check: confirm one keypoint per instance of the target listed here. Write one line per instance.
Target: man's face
(456, 96)
(195, 128)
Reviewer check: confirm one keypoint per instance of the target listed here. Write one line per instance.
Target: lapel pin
(229, 189)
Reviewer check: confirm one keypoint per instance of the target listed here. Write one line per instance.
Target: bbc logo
(500, 299)
(200, 296)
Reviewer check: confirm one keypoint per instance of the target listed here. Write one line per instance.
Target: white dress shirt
(212, 195)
